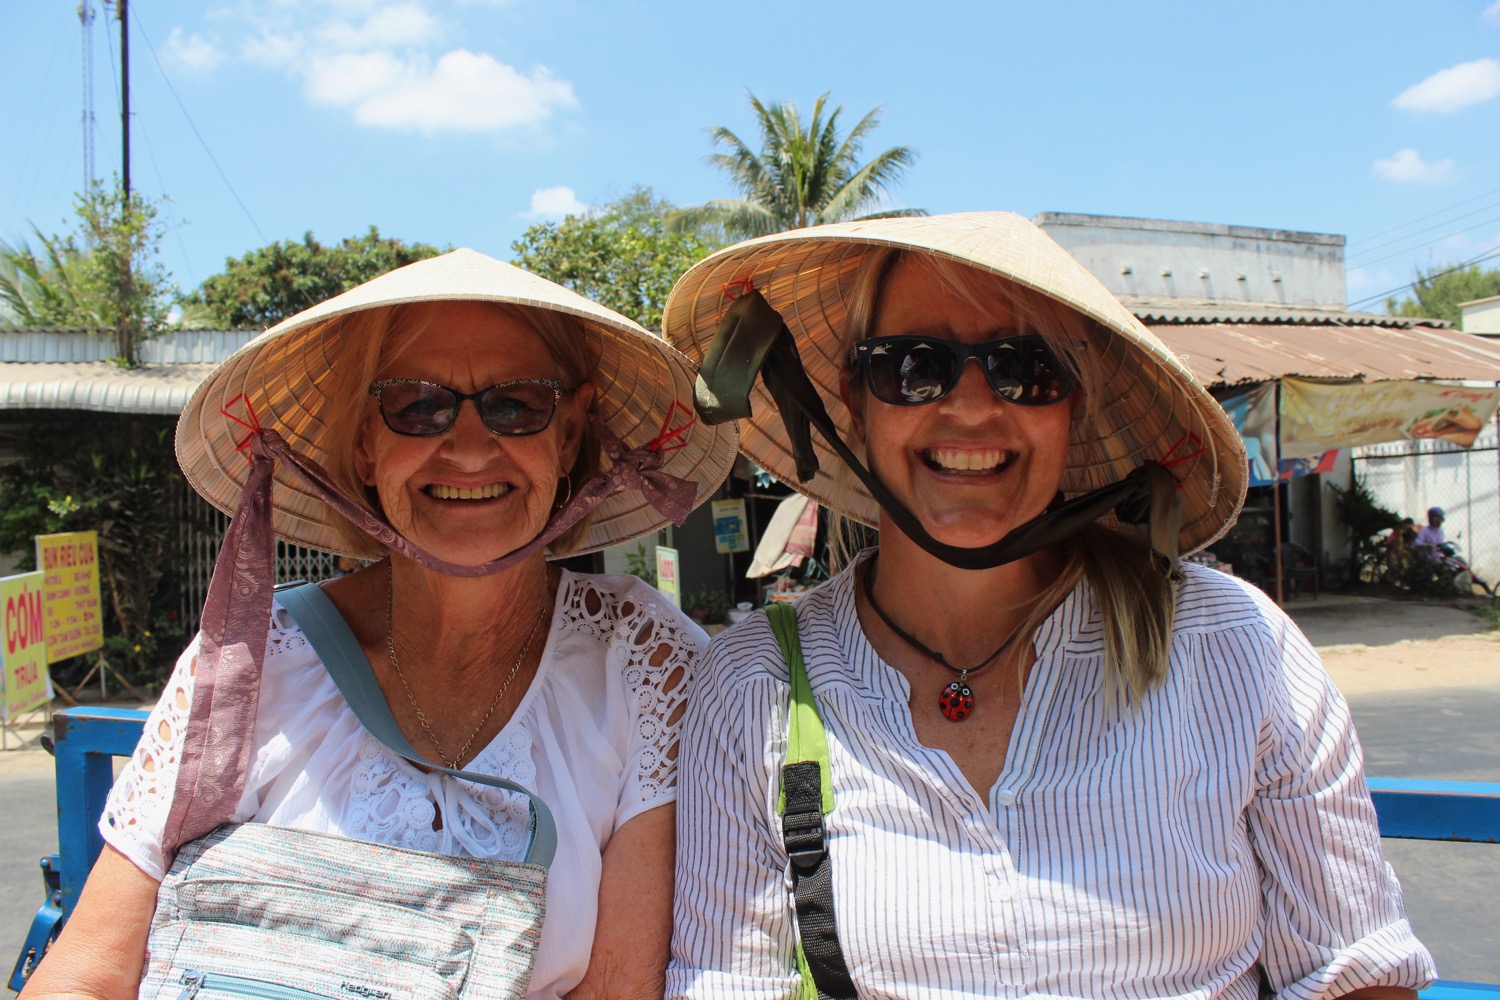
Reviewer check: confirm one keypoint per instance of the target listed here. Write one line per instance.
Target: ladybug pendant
(956, 701)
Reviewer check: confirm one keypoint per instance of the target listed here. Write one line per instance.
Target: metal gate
(201, 533)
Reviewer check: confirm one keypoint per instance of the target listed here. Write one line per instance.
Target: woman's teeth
(441, 492)
(956, 460)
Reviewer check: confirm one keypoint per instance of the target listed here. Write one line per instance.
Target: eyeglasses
(910, 370)
(416, 408)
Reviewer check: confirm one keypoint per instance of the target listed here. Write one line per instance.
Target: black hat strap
(753, 339)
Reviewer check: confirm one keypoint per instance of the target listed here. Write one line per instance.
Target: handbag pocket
(400, 933)
(205, 960)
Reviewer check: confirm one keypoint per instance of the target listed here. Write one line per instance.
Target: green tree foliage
(265, 286)
(1366, 521)
(803, 175)
(103, 276)
(1437, 292)
(621, 255)
(115, 475)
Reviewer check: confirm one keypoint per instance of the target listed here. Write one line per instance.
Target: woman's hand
(633, 937)
(102, 948)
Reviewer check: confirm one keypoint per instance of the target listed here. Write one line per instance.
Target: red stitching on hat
(745, 286)
(670, 438)
(1166, 461)
(253, 425)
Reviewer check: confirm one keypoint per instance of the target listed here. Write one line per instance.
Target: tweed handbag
(256, 912)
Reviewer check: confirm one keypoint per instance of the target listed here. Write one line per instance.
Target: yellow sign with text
(24, 647)
(69, 564)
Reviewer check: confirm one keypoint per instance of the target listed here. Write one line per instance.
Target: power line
(1428, 229)
(1489, 254)
(1423, 218)
(192, 125)
(1439, 239)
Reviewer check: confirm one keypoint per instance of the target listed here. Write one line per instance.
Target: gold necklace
(390, 646)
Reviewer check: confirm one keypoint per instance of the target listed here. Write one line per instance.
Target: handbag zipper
(256, 989)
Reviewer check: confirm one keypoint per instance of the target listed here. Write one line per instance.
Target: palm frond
(805, 173)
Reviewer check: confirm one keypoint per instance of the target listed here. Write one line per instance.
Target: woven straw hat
(1153, 401)
(284, 374)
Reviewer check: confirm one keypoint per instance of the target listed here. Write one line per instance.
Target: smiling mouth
(986, 461)
(439, 491)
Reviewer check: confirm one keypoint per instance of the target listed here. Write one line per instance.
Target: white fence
(1411, 476)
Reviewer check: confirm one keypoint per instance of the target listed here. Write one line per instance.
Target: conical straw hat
(283, 375)
(1154, 411)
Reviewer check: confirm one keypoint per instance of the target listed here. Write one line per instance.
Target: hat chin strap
(753, 339)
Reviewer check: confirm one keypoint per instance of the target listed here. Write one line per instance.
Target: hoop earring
(559, 505)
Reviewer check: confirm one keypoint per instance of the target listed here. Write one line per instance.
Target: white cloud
(385, 62)
(191, 52)
(273, 49)
(1492, 13)
(404, 25)
(1453, 88)
(461, 91)
(1407, 166)
(555, 203)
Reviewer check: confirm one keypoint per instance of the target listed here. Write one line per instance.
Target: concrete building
(1152, 260)
(1242, 305)
(1481, 316)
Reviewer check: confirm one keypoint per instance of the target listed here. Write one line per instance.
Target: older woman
(1058, 762)
(451, 420)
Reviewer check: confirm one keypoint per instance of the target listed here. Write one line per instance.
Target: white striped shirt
(1171, 850)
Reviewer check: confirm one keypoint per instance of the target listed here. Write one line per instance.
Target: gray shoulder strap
(345, 661)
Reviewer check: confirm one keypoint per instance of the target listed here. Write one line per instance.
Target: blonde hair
(367, 340)
(1135, 599)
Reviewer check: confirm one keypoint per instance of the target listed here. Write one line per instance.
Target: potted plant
(707, 606)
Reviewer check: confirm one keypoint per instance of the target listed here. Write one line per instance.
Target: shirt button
(1005, 893)
(1006, 797)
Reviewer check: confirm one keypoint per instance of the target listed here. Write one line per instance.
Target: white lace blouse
(595, 737)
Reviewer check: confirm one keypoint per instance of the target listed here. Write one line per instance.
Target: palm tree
(46, 289)
(801, 176)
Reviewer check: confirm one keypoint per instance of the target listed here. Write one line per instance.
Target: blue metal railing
(87, 740)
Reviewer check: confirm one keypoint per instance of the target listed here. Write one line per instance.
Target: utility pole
(124, 96)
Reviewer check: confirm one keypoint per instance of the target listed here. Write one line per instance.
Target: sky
(463, 122)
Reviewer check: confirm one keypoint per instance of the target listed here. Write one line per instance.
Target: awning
(1235, 353)
(99, 386)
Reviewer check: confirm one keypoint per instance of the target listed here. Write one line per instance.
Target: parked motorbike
(1464, 576)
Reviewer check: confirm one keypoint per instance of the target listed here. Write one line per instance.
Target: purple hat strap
(226, 690)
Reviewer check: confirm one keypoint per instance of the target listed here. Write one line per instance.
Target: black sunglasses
(911, 370)
(416, 408)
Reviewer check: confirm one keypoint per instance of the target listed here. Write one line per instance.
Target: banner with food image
(1252, 409)
(1317, 416)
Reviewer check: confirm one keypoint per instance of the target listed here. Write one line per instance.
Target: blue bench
(86, 741)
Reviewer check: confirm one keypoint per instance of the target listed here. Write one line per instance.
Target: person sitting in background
(1430, 541)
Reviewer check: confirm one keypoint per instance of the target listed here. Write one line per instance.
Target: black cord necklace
(957, 699)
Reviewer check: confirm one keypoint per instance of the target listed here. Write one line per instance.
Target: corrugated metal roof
(48, 344)
(1233, 353)
(1152, 311)
(99, 386)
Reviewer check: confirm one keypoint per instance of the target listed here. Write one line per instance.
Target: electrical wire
(1423, 218)
(162, 185)
(1490, 254)
(192, 125)
(1439, 225)
(1401, 253)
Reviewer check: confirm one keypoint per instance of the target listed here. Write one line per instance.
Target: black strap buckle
(805, 839)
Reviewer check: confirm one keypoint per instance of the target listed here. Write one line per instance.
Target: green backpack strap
(806, 796)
